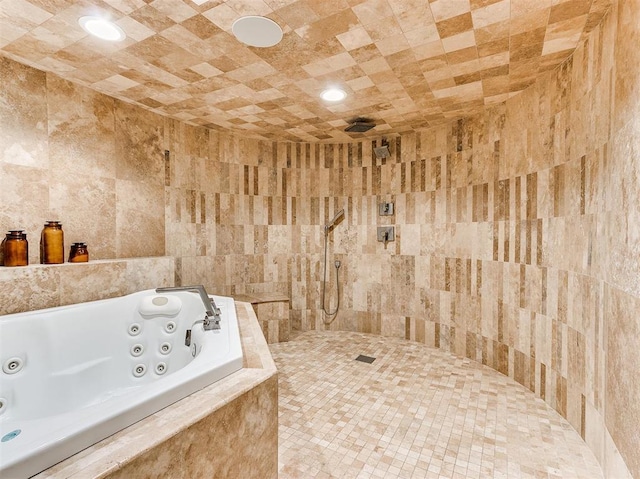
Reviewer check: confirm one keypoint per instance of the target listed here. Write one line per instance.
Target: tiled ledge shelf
(40, 286)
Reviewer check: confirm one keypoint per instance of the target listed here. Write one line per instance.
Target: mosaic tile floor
(415, 412)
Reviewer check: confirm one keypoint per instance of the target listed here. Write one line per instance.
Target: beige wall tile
(48, 286)
(23, 115)
(28, 288)
(24, 200)
(622, 359)
(138, 140)
(91, 282)
(516, 229)
(81, 129)
(86, 206)
(139, 219)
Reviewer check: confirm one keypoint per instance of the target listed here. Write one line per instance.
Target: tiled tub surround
(93, 369)
(415, 412)
(47, 286)
(228, 429)
(517, 229)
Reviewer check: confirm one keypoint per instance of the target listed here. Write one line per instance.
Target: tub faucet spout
(212, 312)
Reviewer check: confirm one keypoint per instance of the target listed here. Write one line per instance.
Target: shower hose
(329, 315)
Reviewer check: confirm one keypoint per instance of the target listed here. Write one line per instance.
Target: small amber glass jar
(15, 249)
(79, 253)
(52, 243)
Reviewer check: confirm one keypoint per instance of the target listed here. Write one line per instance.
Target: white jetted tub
(74, 375)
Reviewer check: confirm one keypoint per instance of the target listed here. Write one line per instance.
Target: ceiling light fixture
(101, 28)
(333, 94)
(257, 31)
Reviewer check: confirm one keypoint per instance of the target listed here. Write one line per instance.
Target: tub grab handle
(187, 338)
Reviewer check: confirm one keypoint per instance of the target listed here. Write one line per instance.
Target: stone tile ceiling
(407, 64)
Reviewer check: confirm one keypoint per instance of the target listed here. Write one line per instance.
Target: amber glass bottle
(78, 253)
(52, 243)
(16, 249)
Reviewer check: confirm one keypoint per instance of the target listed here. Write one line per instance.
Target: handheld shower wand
(331, 223)
(327, 228)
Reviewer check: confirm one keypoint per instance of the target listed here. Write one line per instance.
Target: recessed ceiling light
(257, 31)
(333, 94)
(101, 28)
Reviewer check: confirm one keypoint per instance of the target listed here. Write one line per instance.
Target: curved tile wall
(517, 230)
(515, 240)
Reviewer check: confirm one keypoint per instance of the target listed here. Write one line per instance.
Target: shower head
(360, 125)
(382, 151)
(338, 215)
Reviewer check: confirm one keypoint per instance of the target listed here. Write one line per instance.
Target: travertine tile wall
(90, 161)
(621, 227)
(43, 286)
(517, 230)
(517, 235)
(95, 164)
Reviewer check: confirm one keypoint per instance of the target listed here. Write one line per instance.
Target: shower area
(515, 230)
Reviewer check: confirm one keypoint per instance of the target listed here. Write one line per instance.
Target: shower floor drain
(365, 359)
